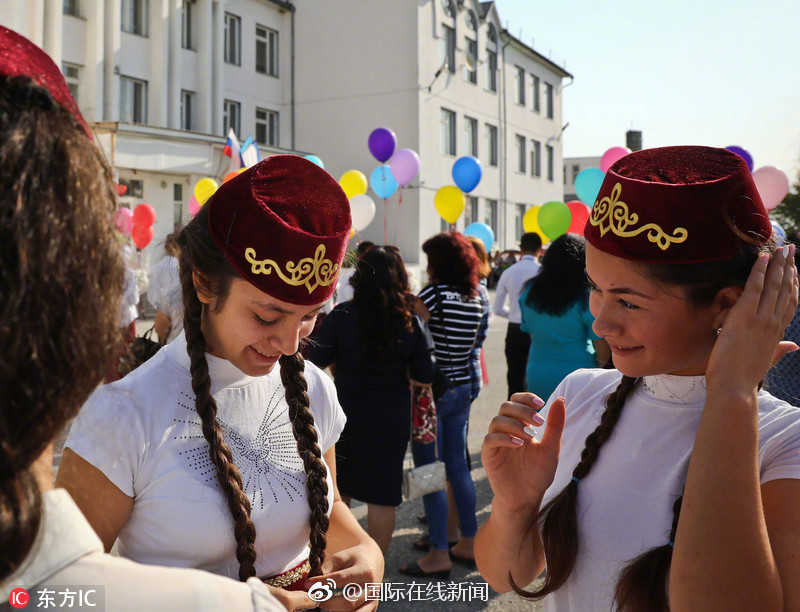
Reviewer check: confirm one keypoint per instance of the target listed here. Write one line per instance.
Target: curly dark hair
(452, 261)
(562, 281)
(384, 299)
(61, 280)
(199, 254)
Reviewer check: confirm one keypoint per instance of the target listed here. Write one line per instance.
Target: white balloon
(362, 209)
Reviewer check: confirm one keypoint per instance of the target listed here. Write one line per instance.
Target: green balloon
(554, 219)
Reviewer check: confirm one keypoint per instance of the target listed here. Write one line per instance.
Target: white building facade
(161, 81)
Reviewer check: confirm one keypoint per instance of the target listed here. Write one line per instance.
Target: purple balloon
(381, 143)
(404, 166)
(743, 154)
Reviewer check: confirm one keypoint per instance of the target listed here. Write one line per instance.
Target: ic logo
(19, 598)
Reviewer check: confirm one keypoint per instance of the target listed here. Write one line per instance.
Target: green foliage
(787, 214)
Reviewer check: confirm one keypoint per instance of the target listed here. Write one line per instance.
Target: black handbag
(441, 383)
(139, 350)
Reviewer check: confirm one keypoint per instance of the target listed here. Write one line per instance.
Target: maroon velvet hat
(19, 56)
(681, 205)
(284, 225)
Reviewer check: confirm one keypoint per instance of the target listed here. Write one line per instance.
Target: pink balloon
(123, 220)
(194, 206)
(772, 185)
(612, 155)
(404, 166)
(580, 215)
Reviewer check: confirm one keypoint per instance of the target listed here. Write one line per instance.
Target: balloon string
(385, 228)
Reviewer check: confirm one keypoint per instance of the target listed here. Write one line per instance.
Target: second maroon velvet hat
(686, 204)
(284, 225)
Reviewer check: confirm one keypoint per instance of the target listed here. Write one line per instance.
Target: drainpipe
(292, 9)
(501, 102)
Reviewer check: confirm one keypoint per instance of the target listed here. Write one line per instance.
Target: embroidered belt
(287, 579)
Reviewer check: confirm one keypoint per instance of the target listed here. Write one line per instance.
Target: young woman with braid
(672, 483)
(210, 456)
(61, 282)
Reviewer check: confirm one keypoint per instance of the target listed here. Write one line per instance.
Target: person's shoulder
(772, 410)
(589, 382)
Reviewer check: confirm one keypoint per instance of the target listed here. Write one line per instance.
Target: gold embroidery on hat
(311, 272)
(611, 214)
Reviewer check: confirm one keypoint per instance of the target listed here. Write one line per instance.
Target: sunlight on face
(650, 330)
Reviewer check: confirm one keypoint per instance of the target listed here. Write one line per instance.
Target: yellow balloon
(354, 183)
(352, 232)
(204, 189)
(449, 202)
(530, 223)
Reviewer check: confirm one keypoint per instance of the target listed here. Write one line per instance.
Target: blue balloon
(588, 183)
(316, 160)
(382, 181)
(482, 232)
(467, 173)
(779, 234)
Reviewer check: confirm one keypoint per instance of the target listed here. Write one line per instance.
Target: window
(135, 189)
(233, 40)
(471, 51)
(576, 170)
(471, 210)
(550, 160)
(491, 59)
(448, 134)
(519, 85)
(536, 102)
(448, 48)
(472, 22)
(133, 100)
(134, 16)
(491, 70)
(491, 144)
(177, 205)
(266, 127)
(471, 136)
(536, 158)
(519, 145)
(72, 77)
(519, 215)
(266, 51)
(548, 91)
(187, 109)
(232, 117)
(187, 24)
(72, 7)
(491, 215)
(449, 9)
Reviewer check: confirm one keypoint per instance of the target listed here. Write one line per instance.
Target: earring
(719, 330)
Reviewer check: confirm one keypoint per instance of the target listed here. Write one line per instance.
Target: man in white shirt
(506, 304)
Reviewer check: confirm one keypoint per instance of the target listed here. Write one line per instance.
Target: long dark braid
(560, 524)
(292, 367)
(227, 473)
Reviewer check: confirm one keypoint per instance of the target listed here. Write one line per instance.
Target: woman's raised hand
(755, 325)
(520, 468)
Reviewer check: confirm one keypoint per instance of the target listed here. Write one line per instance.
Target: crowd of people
(223, 469)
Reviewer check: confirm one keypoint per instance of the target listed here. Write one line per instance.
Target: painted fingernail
(537, 419)
(785, 251)
(530, 431)
(517, 441)
(538, 402)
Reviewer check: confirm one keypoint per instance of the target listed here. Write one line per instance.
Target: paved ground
(467, 583)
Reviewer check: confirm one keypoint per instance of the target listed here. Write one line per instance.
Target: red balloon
(580, 215)
(121, 189)
(142, 235)
(144, 215)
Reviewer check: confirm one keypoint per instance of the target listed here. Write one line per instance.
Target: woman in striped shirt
(455, 309)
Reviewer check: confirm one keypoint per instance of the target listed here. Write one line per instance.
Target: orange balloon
(229, 176)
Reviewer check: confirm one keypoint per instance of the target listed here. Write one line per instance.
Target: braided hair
(201, 260)
(642, 583)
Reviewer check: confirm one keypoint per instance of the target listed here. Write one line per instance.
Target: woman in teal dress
(555, 312)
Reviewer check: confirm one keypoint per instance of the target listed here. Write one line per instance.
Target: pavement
(465, 590)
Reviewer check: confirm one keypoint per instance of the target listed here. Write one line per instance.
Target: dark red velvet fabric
(284, 225)
(687, 204)
(19, 56)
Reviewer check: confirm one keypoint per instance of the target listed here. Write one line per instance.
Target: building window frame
(519, 146)
(72, 75)
(536, 102)
(471, 48)
(187, 25)
(267, 50)
(233, 39)
(490, 215)
(550, 154)
(491, 59)
(519, 85)
(447, 48)
(447, 139)
(492, 145)
(549, 101)
(471, 210)
(132, 100)
(72, 7)
(471, 136)
(232, 117)
(267, 127)
(519, 216)
(188, 109)
(135, 17)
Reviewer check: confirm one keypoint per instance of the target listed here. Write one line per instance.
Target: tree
(787, 214)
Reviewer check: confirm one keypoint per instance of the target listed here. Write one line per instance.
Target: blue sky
(711, 72)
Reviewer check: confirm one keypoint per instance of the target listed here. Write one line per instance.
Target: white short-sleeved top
(625, 502)
(68, 553)
(144, 434)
